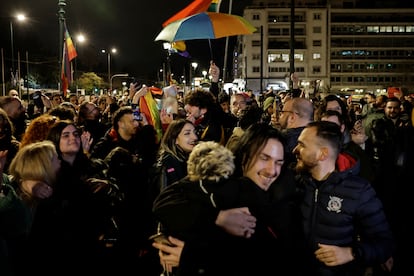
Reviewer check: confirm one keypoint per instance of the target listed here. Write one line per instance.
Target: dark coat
(188, 212)
(211, 126)
(344, 210)
(68, 226)
(292, 135)
(175, 169)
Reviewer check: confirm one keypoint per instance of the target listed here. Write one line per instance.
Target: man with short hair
(238, 103)
(89, 118)
(56, 100)
(294, 116)
(368, 107)
(342, 217)
(130, 150)
(13, 93)
(17, 114)
(206, 114)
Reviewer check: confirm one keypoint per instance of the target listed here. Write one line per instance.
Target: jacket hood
(346, 161)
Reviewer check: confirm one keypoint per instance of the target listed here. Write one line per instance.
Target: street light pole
(167, 47)
(113, 50)
(117, 75)
(109, 70)
(226, 48)
(80, 38)
(61, 15)
(2, 73)
(12, 46)
(194, 65)
(19, 17)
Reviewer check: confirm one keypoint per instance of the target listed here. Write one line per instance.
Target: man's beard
(302, 167)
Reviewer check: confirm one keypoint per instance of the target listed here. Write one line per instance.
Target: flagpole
(2, 72)
(27, 76)
(61, 15)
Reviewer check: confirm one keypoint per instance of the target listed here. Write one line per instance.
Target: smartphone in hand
(136, 112)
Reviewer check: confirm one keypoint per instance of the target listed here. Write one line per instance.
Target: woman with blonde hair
(34, 170)
(32, 174)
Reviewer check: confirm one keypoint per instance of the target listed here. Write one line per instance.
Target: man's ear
(323, 153)
(291, 116)
(203, 111)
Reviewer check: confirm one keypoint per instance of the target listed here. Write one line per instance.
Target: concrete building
(340, 46)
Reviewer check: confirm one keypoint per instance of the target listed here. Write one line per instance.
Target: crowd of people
(236, 186)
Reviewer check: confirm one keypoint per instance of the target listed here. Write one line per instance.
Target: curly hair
(210, 161)
(38, 129)
(200, 98)
(119, 114)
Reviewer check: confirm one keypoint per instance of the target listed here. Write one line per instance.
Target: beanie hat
(268, 102)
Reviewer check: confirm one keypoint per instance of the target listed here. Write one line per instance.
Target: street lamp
(18, 17)
(194, 66)
(80, 38)
(161, 76)
(204, 74)
(113, 51)
(167, 46)
(114, 76)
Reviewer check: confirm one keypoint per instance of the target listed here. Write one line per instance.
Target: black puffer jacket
(344, 210)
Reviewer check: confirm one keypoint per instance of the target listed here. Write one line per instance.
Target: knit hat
(268, 102)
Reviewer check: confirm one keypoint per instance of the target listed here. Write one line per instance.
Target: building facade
(340, 46)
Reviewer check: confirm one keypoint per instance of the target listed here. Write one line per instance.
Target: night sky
(129, 25)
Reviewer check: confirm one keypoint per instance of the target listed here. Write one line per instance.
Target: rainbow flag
(149, 106)
(69, 53)
(194, 7)
(214, 6)
(69, 46)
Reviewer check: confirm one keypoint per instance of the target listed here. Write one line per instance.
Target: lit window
(316, 55)
(298, 57)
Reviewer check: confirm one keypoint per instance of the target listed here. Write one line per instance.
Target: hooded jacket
(344, 211)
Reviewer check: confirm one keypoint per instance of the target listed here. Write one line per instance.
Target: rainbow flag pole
(69, 53)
